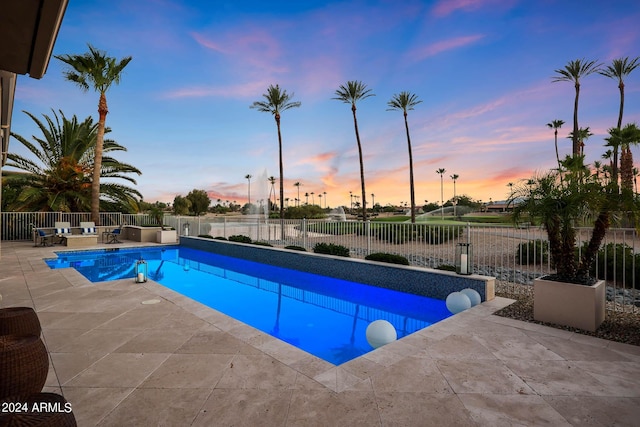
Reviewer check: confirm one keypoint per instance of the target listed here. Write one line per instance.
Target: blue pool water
(324, 316)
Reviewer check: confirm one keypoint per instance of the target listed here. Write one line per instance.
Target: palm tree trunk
(413, 196)
(364, 194)
(282, 234)
(97, 163)
(575, 139)
(597, 236)
(621, 87)
(557, 154)
(614, 172)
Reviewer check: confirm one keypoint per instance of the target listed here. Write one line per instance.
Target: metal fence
(514, 255)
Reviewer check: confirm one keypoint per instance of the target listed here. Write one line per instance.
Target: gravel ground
(618, 326)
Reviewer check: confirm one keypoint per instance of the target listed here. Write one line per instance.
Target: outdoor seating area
(126, 353)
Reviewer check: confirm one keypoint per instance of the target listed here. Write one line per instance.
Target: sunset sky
(483, 69)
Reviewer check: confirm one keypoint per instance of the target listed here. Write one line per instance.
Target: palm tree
(248, 178)
(276, 101)
(297, 184)
(441, 171)
(625, 137)
(272, 181)
(555, 125)
(583, 135)
(406, 101)
(573, 72)
(60, 177)
(325, 199)
(313, 199)
(95, 70)
(350, 93)
(454, 177)
(619, 69)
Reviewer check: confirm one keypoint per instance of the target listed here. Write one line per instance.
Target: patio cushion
(63, 231)
(88, 230)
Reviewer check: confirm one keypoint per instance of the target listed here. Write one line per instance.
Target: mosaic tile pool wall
(421, 281)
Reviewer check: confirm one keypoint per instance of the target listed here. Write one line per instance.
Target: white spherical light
(457, 302)
(473, 295)
(380, 332)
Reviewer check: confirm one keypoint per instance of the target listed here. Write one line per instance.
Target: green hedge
(240, 238)
(331, 249)
(295, 248)
(385, 257)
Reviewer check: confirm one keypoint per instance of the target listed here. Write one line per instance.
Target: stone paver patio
(179, 363)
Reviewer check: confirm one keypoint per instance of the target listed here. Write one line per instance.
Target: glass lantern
(463, 259)
(141, 271)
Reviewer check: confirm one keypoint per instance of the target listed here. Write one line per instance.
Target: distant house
(500, 206)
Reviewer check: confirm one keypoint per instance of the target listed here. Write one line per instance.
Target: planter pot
(166, 236)
(569, 304)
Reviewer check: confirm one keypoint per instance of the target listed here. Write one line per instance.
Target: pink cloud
(447, 7)
(443, 46)
(232, 91)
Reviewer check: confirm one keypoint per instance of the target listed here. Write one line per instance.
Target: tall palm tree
(555, 125)
(248, 178)
(441, 171)
(573, 72)
(95, 70)
(60, 176)
(405, 101)
(454, 177)
(350, 93)
(272, 181)
(619, 69)
(276, 101)
(313, 199)
(297, 184)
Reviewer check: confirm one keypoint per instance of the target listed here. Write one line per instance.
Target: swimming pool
(324, 316)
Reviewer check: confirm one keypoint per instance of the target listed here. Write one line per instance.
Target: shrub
(402, 233)
(533, 252)
(295, 248)
(262, 243)
(207, 236)
(331, 249)
(220, 238)
(620, 256)
(446, 267)
(390, 258)
(240, 238)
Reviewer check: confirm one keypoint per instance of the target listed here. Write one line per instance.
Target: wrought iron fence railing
(515, 255)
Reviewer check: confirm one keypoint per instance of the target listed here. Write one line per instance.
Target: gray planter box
(568, 304)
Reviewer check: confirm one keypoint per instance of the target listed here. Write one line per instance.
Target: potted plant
(165, 234)
(561, 200)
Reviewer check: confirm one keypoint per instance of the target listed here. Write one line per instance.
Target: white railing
(514, 255)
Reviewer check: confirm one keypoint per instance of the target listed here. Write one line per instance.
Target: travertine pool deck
(179, 363)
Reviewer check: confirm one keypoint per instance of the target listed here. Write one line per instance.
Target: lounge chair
(112, 236)
(88, 228)
(62, 230)
(45, 239)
